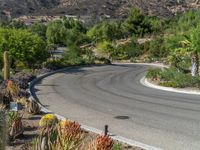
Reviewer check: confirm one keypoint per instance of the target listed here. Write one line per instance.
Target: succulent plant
(48, 120)
(6, 66)
(16, 129)
(47, 139)
(102, 142)
(12, 88)
(33, 107)
(70, 135)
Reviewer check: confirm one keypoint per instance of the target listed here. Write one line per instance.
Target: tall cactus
(6, 66)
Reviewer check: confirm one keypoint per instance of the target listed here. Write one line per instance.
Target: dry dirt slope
(114, 8)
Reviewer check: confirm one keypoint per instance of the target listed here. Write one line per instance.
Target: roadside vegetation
(174, 41)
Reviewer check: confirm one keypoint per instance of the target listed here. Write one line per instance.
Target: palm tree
(192, 44)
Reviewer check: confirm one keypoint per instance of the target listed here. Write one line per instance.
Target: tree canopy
(23, 46)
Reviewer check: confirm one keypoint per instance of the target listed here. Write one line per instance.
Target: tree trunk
(195, 64)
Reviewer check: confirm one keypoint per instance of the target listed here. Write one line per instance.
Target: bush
(54, 64)
(127, 51)
(154, 73)
(1, 60)
(173, 78)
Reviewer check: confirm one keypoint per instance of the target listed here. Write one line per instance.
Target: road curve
(113, 95)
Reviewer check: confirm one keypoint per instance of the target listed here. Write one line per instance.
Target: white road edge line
(88, 128)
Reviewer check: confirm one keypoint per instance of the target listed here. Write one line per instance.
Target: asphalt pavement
(113, 95)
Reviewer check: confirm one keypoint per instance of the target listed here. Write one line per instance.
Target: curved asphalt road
(113, 95)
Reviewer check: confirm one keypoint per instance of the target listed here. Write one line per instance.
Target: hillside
(109, 8)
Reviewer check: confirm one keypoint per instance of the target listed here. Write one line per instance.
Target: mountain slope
(113, 8)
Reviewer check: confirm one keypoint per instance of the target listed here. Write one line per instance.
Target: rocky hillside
(108, 8)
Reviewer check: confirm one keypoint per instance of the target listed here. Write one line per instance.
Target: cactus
(33, 107)
(6, 66)
(48, 120)
(2, 130)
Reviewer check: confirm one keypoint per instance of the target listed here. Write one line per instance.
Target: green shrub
(154, 73)
(169, 84)
(117, 146)
(1, 60)
(171, 77)
(126, 51)
(54, 64)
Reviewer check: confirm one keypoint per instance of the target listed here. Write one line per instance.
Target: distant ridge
(95, 8)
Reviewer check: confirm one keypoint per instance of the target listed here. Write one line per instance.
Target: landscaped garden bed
(171, 77)
(31, 129)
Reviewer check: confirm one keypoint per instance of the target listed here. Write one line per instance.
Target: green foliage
(173, 78)
(154, 73)
(183, 22)
(54, 64)
(66, 32)
(106, 31)
(155, 48)
(39, 29)
(136, 23)
(77, 25)
(17, 25)
(74, 37)
(157, 25)
(1, 60)
(56, 32)
(73, 55)
(106, 47)
(12, 116)
(23, 46)
(127, 51)
(117, 146)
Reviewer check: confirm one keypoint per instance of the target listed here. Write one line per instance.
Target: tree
(23, 46)
(105, 31)
(56, 32)
(39, 29)
(137, 23)
(192, 44)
